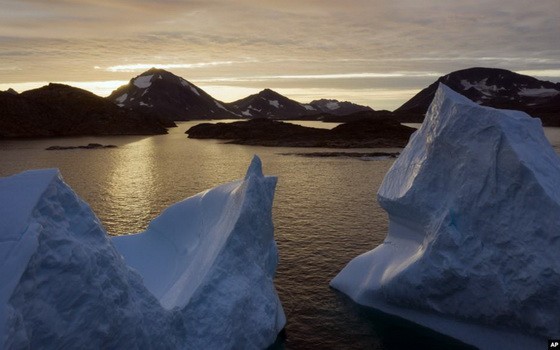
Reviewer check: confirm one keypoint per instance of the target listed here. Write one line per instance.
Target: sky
(373, 52)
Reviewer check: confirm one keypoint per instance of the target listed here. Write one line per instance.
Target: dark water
(325, 213)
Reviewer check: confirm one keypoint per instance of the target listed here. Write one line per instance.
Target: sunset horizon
(266, 174)
(372, 53)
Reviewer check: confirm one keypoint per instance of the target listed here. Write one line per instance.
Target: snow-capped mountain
(336, 107)
(270, 104)
(494, 87)
(169, 96)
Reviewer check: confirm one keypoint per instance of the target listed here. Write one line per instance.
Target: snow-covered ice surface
(204, 267)
(474, 229)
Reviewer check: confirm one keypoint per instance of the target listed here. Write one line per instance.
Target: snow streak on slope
(474, 210)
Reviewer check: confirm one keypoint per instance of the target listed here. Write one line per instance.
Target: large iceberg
(201, 276)
(214, 256)
(473, 248)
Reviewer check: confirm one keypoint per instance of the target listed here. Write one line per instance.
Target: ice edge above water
(65, 284)
(474, 218)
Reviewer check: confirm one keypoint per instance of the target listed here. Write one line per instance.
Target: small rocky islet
(88, 146)
(371, 133)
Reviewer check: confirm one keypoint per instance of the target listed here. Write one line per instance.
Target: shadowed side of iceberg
(63, 283)
(474, 231)
(213, 256)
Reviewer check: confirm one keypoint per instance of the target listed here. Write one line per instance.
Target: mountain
(270, 104)
(168, 96)
(62, 110)
(497, 88)
(336, 107)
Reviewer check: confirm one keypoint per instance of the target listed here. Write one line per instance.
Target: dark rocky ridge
(266, 132)
(62, 110)
(497, 88)
(170, 97)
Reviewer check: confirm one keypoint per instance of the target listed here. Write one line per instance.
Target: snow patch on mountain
(193, 89)
(542, 92)
(332, 105)
(481, 86)
(143, 82)
(274, 103)
(121, 98)
(219, 105)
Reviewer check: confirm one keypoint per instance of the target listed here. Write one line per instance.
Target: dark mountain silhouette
(270, 104)
(62, 110)
(497, 88)
(170, 97)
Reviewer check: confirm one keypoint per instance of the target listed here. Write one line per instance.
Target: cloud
(260, 78)
(544, 73)
(145, 66)
(290, 43)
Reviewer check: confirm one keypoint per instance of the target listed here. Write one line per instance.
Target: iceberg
(474, 229)
(207, 284)
(214, 256)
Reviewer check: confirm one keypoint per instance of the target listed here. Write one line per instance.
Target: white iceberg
(214, 256)
(208, 284)
(473, 248)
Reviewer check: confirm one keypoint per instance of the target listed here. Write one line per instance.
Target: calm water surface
(325, 213)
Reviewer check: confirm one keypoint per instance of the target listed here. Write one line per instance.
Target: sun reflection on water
(131, 184)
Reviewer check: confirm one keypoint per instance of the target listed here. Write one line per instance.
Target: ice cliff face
(64, 285)
(474, 233)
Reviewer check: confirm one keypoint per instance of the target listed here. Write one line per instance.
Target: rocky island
(266, 132)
